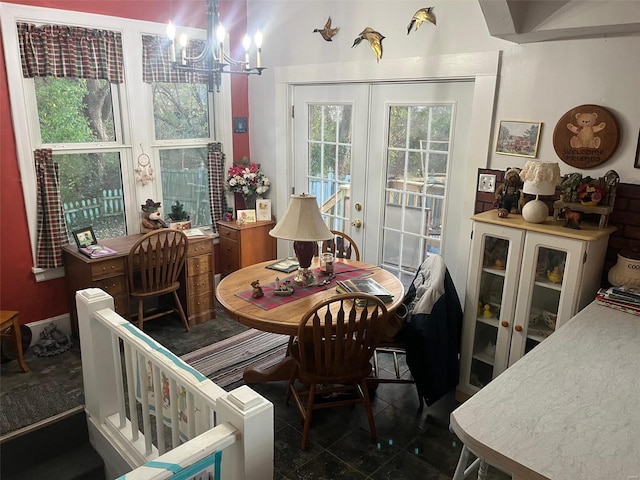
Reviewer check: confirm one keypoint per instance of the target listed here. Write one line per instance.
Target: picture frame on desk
(247, 216)
(263, 209)
(84, 237)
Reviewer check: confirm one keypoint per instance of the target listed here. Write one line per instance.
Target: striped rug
(224, 362)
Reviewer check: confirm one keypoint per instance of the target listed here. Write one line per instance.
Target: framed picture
(519, 138)
(263, 209)
(85, 237)
(637, 163)
(247, 216)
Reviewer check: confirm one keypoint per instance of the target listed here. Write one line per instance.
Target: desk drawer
(199, 247)
(229, 233)
(200, 303)
(198, 265)
(107, 268)
(199, 284)
(114, 286)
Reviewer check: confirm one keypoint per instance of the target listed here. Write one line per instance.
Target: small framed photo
(247, 216)
(519, 138)
(85, 237)
(263, 209)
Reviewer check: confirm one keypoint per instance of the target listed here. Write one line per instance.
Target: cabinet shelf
(484, 358)
(544, 283)
(494, 271)
(493, 322)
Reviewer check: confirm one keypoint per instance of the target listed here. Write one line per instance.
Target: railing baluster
(175, 421)
(158, 401)
(144, 400)
(117, 366)
(129, 353)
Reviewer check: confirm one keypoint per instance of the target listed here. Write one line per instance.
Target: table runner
(342, 271)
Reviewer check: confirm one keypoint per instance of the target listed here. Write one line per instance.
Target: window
(98, 130)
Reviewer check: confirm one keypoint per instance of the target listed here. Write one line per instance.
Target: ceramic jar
(627, 270)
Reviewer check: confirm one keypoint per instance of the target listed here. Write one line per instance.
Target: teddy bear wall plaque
(586, 136)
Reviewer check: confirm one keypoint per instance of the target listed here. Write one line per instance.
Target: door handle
(357, 223)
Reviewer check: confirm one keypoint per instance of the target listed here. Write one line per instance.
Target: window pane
(91, 191)
(180, 110)
(74, 110)
(185, 179)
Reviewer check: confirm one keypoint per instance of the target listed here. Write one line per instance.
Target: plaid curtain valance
(156, 61)
(72, 52)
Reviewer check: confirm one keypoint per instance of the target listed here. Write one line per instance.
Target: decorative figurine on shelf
(555, 275)
(283, 289)
(152, 220)
(508, 195)
(571, 218)
(486, 311)
(228, 215)
(257, 289)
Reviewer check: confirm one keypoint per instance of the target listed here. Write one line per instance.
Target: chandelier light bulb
(171, 31)
(258, 39)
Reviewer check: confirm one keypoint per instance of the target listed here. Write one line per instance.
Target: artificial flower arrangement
(247, 179)
(590, 194)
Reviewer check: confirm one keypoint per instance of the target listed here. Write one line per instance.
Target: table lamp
(540, 178)
(302, 223)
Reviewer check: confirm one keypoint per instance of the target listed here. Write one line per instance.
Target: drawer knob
(505, 323)
(518, 328)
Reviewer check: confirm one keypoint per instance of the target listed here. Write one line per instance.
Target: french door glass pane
(185, 179)
(329, 146)
(418, 149)
(91, 192)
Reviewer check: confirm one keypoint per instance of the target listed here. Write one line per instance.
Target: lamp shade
(540, 178)
(302, 221)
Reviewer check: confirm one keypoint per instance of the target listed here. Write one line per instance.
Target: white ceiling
(528, 21)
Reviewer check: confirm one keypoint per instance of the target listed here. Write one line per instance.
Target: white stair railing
(150, 412)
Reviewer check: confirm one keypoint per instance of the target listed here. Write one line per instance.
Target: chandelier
(213, 60)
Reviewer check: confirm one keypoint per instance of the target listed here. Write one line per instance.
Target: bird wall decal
(422, 15)
(375, 41)
(327, 32)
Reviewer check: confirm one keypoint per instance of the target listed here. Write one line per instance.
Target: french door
(381, 159)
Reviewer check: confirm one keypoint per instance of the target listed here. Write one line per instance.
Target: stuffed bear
(585, 131)
(508, 195)
(151, 220)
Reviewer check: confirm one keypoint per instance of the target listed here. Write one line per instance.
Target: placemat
(343, 271)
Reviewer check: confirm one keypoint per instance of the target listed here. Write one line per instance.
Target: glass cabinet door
(493, 304)
(543, 297)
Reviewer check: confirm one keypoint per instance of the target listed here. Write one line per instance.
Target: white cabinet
(525, 280)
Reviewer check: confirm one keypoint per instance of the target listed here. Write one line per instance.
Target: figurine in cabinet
(555, 275)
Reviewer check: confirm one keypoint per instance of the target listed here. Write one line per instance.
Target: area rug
(224, 362)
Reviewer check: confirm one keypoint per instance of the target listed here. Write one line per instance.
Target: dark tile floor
(410, 445)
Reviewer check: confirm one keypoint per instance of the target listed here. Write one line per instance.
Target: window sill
(44, 274)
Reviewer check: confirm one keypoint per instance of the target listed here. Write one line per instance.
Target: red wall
(18, 288)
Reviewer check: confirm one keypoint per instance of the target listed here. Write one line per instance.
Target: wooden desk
(566, 410)
(197, 285)
(285, 318)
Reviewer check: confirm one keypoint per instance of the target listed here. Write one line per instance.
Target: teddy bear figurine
(151, 220)
(508, 194)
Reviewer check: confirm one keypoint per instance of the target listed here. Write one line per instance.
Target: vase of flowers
(247, 180)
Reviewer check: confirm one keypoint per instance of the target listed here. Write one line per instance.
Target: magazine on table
(286, 265)
(96, 251)
(364, 285)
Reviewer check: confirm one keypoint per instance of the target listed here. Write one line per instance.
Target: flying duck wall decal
(422, 15)
(375, 41)
(327, 32)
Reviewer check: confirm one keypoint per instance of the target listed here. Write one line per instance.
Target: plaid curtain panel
(156, 61)
(215, 162)
(71, 52)
(52, 229)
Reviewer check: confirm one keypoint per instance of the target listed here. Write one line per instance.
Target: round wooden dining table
(233, 293)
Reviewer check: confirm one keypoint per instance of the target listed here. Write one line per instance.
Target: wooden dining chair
(341, 245)
(332, 352)
(154, 266)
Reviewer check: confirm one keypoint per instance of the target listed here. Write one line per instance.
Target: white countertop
(569, 409)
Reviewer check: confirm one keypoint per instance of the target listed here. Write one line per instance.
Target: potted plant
(179, 218)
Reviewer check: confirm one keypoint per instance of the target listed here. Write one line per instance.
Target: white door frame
(482, 67)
